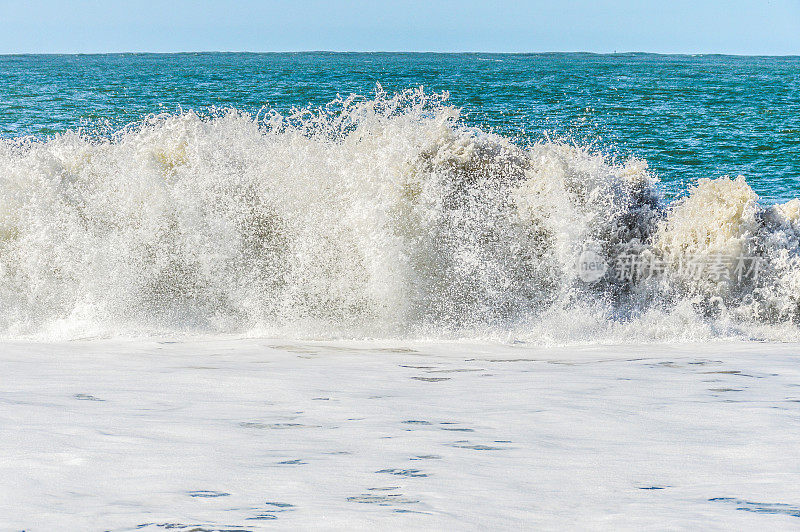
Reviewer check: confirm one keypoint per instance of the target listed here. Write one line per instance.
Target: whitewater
(370, 314)
(373, 217)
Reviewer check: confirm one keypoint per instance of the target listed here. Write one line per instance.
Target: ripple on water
(404, 472)
(383, 500)
(86, 397)
(475, 446)
(760, 507)
(251, 425)
(207, 494)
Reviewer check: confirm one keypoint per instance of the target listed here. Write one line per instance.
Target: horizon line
(420, 52)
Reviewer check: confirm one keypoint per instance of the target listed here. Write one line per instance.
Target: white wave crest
(369, 217)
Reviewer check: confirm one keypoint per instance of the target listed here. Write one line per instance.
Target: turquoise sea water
(688, 116)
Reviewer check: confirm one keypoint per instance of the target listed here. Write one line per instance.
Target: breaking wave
(378, 217)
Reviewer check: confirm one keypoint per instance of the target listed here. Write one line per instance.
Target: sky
(749, 27)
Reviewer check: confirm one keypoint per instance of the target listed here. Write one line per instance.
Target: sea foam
(373, 217)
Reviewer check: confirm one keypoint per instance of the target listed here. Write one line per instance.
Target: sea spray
(371, 217)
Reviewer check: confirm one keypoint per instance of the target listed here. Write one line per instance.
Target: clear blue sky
(681, 26)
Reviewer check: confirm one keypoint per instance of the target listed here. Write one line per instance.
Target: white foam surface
(245, 434)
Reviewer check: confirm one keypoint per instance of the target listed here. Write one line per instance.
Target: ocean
(353, 291)
(688, 116)
(400, 195)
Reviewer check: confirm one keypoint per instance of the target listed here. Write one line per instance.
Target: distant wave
(373, 218)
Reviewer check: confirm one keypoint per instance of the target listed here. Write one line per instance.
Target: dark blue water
(689, 117)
